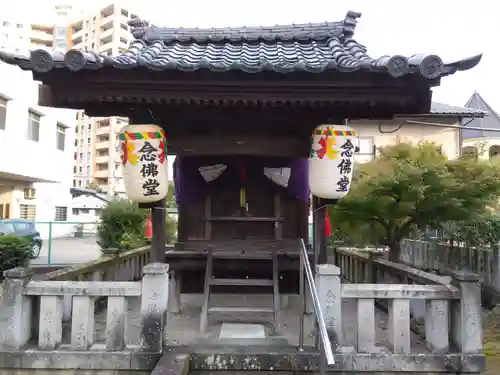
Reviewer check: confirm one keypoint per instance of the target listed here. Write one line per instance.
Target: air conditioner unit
(29, 193)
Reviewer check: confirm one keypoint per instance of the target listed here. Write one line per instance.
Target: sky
(449, 29)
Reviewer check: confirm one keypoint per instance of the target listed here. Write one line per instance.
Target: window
(81, 155)
(4, 210)
(80, 169)
(89, 157)
(61, 213)
(76, 142)
(6, 23)
(90, 127)
(7, 228)
(366, 149)
(80, 183)
(19, 26)
(123, 40)
(60, 31)
(3, 113)
(61, 44)
(74, 181)
(33, 126)
(76, 156)
(366, 146)
(92, 46)
(88, 170)
(27, 211)
(61, 137)
(82, 129)
(88, 140)
(124, 13)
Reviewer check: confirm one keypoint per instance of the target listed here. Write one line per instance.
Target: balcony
(102, 159)
(77, 36)
(41, 36)
(106, 35)
(106, 46)
(101, 174)
(101, 130)
(102, 145)
(107, 22)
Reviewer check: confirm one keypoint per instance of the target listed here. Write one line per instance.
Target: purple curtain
(190, 185)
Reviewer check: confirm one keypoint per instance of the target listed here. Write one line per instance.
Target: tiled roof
(445, 109)
(314, 48)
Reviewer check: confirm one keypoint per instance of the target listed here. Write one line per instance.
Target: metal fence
(66, 242)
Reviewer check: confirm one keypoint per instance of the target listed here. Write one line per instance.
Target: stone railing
(113, 265)
(441, 258)
(452, 312)
(415, 300)
(41, 345)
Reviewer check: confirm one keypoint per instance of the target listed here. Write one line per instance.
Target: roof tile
(313, 48)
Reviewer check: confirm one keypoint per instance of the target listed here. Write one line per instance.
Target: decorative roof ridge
(142, 30)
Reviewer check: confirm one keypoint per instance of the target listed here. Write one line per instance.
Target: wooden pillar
(319, 240)
(158, 240)
(319, 243)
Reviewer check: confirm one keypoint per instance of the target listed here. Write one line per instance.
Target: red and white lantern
(331, 161)
(143, 154)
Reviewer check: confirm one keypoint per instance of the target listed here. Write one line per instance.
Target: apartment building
(96, 157)
(14, 35)
(18, 35)
(35, 154)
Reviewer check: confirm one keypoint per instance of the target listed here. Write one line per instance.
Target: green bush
(170, 230)
(122, 225)
(14, 251)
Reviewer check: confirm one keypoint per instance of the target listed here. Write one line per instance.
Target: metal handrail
(325, 351)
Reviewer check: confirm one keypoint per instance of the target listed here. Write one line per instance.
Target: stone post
(15, 309)
(466, 327)
(154, 306)
(371, 271)
(495, 270)
(329, 288)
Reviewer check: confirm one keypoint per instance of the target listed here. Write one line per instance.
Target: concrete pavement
(67, 251)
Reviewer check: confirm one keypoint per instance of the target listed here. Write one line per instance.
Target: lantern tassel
(327, 228)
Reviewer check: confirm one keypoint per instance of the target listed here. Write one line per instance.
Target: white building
(14, 34)
(36, 155)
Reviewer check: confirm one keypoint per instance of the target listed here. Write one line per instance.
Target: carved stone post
(15, 309)
(329, 288)
(466, 327)
(154, 304)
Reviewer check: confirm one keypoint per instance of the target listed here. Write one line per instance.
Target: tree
(410, 187)
(93, 186)
(170, 199)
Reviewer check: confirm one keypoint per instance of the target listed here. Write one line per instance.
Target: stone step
(240, 310)
(242, 282)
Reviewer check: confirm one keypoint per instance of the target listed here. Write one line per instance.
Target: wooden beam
(263, 145)
(157, 252)
(45, 96)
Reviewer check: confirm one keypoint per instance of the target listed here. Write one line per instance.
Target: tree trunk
(394, 251)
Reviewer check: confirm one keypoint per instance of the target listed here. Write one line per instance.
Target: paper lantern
(143, 154)
(331, 161)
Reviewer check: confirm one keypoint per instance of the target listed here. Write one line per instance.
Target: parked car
(23, 228)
